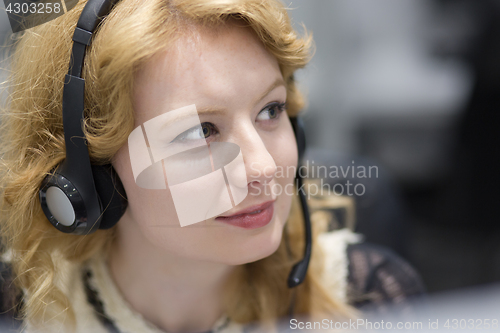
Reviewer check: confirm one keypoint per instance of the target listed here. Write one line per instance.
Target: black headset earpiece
(77, 197)
(111, 193)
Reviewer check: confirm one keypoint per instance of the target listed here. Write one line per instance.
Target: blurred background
(409, 86)
(412, 87)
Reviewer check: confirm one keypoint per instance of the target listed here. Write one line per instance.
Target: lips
(251, 218)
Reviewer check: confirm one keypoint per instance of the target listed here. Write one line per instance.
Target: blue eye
(271, 111)
(202, 132)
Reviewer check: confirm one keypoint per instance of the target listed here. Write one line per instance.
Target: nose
(259, 164)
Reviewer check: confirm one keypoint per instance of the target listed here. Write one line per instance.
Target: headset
(78, 197)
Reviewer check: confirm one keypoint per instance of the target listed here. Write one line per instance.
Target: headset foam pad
(111, 193)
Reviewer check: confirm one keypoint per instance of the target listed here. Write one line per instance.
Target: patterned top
(367, 276)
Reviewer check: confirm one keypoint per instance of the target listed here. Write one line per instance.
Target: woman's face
(238, 90)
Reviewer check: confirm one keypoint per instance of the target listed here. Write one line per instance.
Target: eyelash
(279, 107)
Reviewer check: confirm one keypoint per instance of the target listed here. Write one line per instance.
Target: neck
(174, 293)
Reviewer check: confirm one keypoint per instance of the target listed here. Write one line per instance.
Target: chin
(257, 247)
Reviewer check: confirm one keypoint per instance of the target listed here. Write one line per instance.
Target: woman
(233, 61)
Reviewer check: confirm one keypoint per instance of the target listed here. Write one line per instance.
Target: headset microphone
(299, 270)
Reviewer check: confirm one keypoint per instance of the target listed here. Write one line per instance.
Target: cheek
(283, 149)
(151, 216)
(143, 204)
(151, 219)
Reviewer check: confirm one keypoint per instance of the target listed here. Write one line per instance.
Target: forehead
(206, 67)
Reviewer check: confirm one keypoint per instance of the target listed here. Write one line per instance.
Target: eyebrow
(214, 110)
(278, 82)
